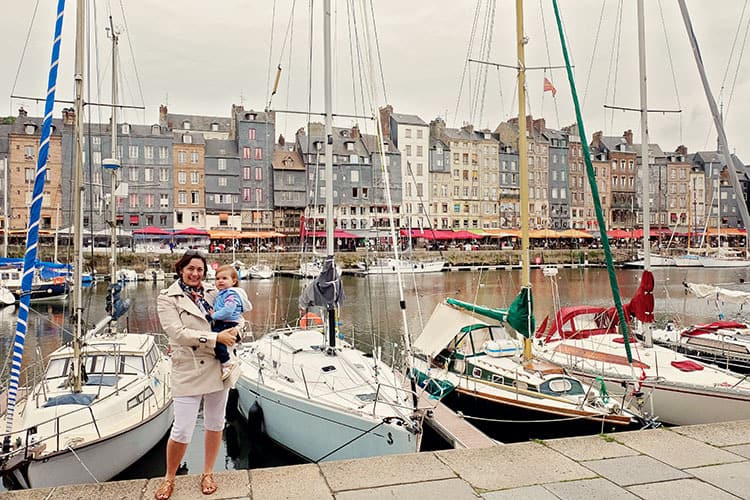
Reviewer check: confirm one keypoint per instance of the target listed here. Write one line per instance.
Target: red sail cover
(642, 304)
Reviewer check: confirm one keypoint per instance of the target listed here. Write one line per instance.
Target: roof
(405, 119)
(197, 136)
(654, 150)
(284, 159)
(198, 122)
(617, 144)
(4, 144)
(221, 147)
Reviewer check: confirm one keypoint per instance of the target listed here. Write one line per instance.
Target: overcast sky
(200, 57)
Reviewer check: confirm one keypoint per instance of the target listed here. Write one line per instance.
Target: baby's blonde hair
(232, 272)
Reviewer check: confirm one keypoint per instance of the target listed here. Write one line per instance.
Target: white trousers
(186, 414)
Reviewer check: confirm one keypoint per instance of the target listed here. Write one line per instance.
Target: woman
(196, 373)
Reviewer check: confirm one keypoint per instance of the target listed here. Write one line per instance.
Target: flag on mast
(548, 87)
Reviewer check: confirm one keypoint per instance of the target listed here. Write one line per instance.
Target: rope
(466, 62)
(32, 238)
(671, 65)
(549, 63)
(593, 54)
(368, 431)
(23, 53)
(132, 55)
(70, 447)
(377, 45)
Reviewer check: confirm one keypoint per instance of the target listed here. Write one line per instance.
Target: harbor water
(370, 316)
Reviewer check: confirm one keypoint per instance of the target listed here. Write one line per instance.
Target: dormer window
(187, 139)
(155, 130)
(186, 125)
(349, 146)
(125, 128)
(487, 136)
(29, 128)
(214, 127)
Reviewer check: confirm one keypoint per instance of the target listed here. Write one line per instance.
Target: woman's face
(192, 274)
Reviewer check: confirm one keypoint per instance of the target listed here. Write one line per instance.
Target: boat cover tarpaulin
(325, 290)
(521, 313)
(725, 295)
(445, 323)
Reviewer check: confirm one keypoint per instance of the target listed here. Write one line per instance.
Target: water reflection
(369, 314)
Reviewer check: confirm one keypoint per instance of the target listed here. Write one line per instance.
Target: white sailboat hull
(688, 261)
(391, 266)
(323, 406)
(98, 457)
(261, 272)
(719, 262)
(313, 431)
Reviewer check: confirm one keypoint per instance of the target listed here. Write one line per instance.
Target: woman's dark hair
(189, 255)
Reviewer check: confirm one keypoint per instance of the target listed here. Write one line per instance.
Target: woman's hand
(227, 337)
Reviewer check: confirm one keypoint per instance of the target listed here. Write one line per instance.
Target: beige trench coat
(195, 369)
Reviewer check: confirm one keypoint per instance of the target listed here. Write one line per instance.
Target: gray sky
(200, 60)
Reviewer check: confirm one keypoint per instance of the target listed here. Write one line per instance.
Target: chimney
(540, 124)
(355, 132)
(681, 150)
(163, 116)
(468, 127)
(385, 120)
(437, 128)
(22, 112)
(282, 141)
(69, 116)
(596, 140)
(628, 135)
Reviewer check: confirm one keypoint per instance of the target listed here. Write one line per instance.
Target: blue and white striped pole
(32, 237)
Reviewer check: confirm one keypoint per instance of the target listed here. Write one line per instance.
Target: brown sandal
(165, 490)
(208, 485)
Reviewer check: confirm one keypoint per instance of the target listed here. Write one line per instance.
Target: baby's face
(224, 280)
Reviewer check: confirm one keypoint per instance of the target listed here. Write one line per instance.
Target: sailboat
(586, 342)
(481, 370)
(104, 398)
(316, 394)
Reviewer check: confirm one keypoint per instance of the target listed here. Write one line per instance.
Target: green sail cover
(521, 313)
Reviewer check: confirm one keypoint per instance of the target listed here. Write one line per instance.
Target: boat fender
(255, 419)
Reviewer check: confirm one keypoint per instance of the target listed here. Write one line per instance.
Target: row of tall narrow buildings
(236, 172)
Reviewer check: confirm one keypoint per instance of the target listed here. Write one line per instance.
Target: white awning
(444, 324)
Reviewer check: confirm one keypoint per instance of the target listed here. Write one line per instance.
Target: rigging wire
(466, 69)
(487, 57)
(614, 61)
(129, 38)
(549, 63)
(671, 66)
(738, 65)
(23, 54)
(593, 55)
(270, 53)
(377, 45)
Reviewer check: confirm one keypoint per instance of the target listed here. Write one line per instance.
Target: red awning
(134, 219)
(191, 231)
(152, 230)
(464, 235)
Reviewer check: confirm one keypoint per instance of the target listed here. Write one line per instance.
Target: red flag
(548, 87)
(302, 229)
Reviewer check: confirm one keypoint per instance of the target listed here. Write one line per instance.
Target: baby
(229, 305)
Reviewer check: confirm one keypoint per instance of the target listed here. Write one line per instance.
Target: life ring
(58, 280)
(310, 319)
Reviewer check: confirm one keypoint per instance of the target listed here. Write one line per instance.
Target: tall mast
(328, 106)
(723, 142)
(523, 167)
(113, 188)
(77, 194)
(645, 160)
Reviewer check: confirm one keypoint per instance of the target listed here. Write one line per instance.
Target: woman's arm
(169, 317)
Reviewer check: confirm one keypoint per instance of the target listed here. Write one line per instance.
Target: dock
(700, 461)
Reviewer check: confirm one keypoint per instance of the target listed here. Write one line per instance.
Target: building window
(246, 173)
(187, 139)
(163, 175)
(246, 153)
(354, 175)
(181, 177)
(258, 174)
(246, 194)
(181, 156)
(194, 177)
(194, 197)
(194, 157)
(251, 134)
(155, 130)
(163, 152)
(148, 174)
(182, 197)
(148, 152)
(186, 125)
(214, 127)
(222, 181)
(125, 129)
(258, 196)
(148, 200)
(133, 200)
(132, 174)
(163, 201)
(419, 150)
(222, 163)
(132, 151)
(258, 153)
